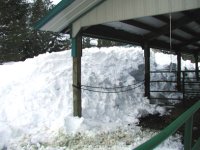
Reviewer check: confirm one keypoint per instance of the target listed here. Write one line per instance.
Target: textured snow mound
(36, 101)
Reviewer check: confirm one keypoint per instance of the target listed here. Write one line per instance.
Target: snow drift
(36, 102)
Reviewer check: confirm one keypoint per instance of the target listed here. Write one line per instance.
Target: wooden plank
(196, 66)
(165, 29)
(147, 69)
(179, 71)
(77, 48)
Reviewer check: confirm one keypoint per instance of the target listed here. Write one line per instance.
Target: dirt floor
(157, 122)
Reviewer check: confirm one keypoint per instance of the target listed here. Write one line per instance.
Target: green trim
(172, 128)
(52, 13)
(188, 134)
(197, 145)
(74, 52)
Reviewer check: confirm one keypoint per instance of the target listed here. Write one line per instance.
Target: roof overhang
(131, 21)
(183, 35)
(64, 14)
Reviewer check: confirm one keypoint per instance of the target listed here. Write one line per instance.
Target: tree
(86, 42)
(39, 41)
(18, 40)
(108, 43)
(39, 9)
(13, 16)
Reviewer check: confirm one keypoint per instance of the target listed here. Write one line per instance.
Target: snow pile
(167, 62)
(36, 102)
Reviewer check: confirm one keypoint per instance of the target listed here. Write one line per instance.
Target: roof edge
(53, 12)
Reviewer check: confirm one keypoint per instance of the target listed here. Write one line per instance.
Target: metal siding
(116, 10)
(58, 8)
(65, 17)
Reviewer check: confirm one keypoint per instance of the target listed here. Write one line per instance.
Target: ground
(157, 122)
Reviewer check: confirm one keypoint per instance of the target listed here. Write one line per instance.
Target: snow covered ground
(36, 102)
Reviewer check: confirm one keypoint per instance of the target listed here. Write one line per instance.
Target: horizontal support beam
(165, 29)
(105, 32)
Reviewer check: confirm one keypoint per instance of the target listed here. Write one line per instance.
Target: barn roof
(156, 30)
(64, 13)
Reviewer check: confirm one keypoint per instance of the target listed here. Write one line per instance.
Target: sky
(56, 1)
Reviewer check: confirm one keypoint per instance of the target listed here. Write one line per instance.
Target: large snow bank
(36, 102)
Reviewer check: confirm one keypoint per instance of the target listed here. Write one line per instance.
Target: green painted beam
(188, 134)
(74, 51)
(197, 145)
(57, 9)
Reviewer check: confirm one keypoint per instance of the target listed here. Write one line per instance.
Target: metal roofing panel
(127, 28)
(174, 16)
(194, 26)
(64, 17)
(192, 47)
(182, 33)
(167, 40)
(151, 21)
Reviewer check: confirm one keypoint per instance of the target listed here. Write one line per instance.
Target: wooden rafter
(189, 42)
(165, 29)
(106, 32)
(140, 25)
(112, 33)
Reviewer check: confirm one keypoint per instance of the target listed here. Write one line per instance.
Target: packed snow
(36, 102)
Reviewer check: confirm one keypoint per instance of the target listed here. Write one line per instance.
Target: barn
(172, 26)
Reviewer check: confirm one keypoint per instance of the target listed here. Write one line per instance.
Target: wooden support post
(196, 66)
(179, 71)
(147, 70)
(76, 54)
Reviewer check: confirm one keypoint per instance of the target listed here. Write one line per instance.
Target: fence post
(183, 85)
(196, 66)
(147, 69)
(179, 71)
(188, 134)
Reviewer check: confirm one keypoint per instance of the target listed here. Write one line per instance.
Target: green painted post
(188, 134)
(187, 118)
(197, 145)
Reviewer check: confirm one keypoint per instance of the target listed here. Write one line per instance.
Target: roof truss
(157, 37)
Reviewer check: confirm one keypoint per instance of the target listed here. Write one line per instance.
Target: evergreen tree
(86, 42)
(108, 43)
(43, 41)
(17, 40)
(13, 16)
(39, 9)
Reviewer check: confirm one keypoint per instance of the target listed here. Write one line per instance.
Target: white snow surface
(36, 103)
